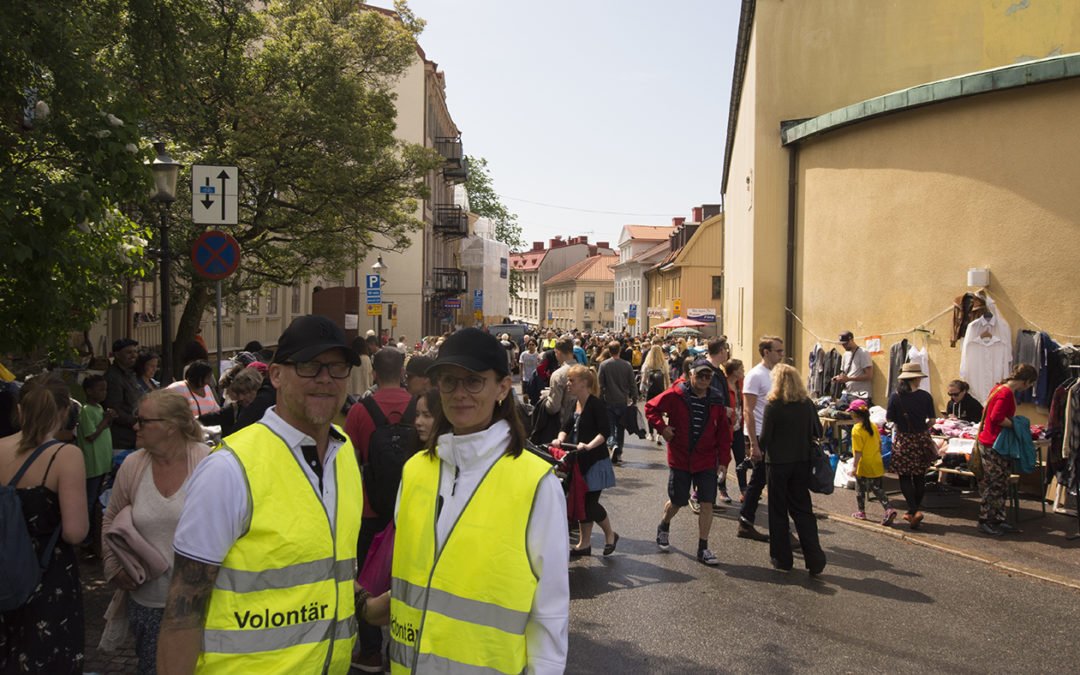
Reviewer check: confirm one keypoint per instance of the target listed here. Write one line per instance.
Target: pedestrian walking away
(789, 430)
(619, 390)
(911, 410)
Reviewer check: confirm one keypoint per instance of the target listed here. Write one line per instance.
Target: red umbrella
(681, 322)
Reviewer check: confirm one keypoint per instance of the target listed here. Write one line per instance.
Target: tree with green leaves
(300, 96)
(484, 201)
(71, 165)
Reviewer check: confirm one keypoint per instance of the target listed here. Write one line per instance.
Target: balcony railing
(450, 280)
(451, 221)
(456, 169)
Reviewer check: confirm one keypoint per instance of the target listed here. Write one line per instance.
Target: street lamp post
(378, 268)
(166, 172)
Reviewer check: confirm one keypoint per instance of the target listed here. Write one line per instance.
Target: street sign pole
(217, 289)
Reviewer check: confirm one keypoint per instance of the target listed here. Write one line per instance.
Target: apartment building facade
(583, 296)
(639, 247)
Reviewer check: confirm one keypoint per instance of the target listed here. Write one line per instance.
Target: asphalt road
(882, 605)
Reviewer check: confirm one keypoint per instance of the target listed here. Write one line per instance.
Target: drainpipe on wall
(789, 302)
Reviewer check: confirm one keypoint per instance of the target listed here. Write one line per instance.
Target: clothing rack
(1063, 491)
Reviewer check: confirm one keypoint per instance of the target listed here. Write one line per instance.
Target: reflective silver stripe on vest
(244, 581)
(271, 639)
(403, 655)
(457, 607)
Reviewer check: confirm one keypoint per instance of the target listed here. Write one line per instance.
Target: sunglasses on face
(338, 370)
(955, 394)
(143, 421)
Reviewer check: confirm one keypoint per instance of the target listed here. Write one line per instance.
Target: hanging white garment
(919, 356)
(986, 355)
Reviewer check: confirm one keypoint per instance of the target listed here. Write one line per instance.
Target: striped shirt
(699, 414)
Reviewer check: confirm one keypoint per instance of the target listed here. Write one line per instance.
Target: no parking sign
(215, 255)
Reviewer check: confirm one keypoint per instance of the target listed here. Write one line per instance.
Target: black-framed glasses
(704, 374)
(955, 394)
(143, 421)
(338, 370)
(448, 384)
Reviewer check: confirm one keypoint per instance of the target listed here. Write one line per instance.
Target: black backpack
(391, 445)
(22, 568)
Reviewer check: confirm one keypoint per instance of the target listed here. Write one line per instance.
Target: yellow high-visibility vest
(465, 609)
(284, 599)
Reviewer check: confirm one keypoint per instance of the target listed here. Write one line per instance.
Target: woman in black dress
(45, 634)
(585, 435)
(911, 410)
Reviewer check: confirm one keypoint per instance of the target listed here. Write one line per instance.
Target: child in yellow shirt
(869, 469)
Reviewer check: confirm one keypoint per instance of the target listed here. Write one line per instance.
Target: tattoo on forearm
(189, 593)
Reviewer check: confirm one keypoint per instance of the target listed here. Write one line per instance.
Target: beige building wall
(566, 302)
(807, 58)
(893, 212)
(696, 265)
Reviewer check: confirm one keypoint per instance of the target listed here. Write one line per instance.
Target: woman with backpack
(41, 625)
(654, 381)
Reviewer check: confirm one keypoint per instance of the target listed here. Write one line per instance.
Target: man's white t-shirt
(853, 364)
(758, 382)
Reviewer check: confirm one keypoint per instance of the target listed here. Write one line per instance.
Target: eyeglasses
(338, 370)
(143, 421)
(955, 394)
(704, 374)
(448, 384)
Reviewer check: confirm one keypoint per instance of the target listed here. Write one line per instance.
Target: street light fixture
(166, 172)
(378, 268)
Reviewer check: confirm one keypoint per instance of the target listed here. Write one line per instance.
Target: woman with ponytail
(45, 633)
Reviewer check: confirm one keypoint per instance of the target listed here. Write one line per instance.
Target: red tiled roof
(527, 261)
(649, 232)
(596, 268)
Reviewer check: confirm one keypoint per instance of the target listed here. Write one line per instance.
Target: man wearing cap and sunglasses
(266, 545)
(857, 370)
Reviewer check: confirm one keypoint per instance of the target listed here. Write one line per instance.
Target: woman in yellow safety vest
(490, 589)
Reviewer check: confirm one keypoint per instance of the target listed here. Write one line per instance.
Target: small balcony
(451, 221)
(456, 169)
(450, 280)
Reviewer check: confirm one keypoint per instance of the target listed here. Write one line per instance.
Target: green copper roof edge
(1050, 69)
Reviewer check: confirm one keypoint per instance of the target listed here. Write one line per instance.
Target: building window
(144, 300)
(590, 300)
(717, 287)
(272, 302)
(609, 301)
(295, 303)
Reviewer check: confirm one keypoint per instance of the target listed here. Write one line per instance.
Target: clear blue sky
(605, 105)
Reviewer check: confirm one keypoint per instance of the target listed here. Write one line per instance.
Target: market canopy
(681, 322)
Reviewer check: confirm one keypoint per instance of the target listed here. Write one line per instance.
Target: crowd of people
(309, 546)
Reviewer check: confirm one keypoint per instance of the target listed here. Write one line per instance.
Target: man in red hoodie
(698, 434)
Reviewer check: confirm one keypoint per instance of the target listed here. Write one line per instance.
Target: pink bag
(375, 575)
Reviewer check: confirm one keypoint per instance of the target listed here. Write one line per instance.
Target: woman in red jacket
(997, 416)
(698, 434)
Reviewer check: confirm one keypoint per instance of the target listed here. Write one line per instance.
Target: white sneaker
(707, 557)
(695, 506)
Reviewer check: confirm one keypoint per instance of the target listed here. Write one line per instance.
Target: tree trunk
(198, 300)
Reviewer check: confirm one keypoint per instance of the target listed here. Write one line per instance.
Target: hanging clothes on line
(986, 353)
(967, 308)
(919, 356)
(1027, 351)
(897, 357)
(815, 382)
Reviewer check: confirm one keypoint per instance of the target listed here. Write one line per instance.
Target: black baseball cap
(124, 343)
(846, 335)
(310, 335)
(472, 349)
(700, 363)
(418, 365)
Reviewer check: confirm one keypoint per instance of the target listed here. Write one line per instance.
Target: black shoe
(575, 552)
(1007, 528)
(610, 548)
(987, 528)
(748, 531)
(816, 570)
(778, 567)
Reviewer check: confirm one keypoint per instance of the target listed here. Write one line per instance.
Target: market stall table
(963, 446)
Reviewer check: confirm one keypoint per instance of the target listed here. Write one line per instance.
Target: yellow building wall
(894, 211)
(813, 56)
(700, 260)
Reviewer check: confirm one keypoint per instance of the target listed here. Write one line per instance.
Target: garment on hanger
(1027, 351)
(986, 354)
(967, 308)
(816, 370)
(919, 356)
(897, 355)
(1044, 392)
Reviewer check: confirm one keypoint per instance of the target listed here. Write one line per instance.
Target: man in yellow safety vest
(263, 579)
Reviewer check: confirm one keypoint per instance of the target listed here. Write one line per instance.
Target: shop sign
(655, 312)
(676, 308)
(706, 315)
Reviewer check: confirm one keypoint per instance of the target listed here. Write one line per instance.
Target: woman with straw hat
(911, 410)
